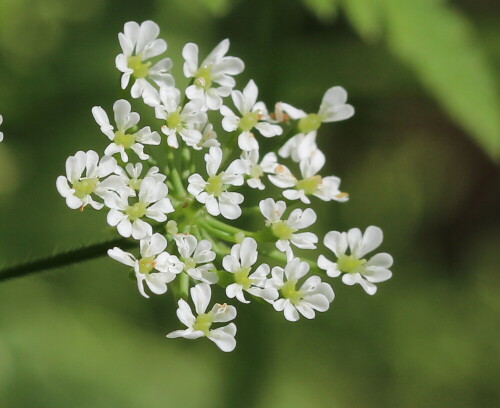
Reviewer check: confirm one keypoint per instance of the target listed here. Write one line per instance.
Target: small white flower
(139, 44)
(286, 230)
(208, 136)
(216, 68)
(153, 258)
(201, 325)
(355, 268)
(152, 203)
(78, 188)
(181, 120)
(213, 192)
(240, 263)
(196, 257)
(333, 108)
(253, 115)
(256, 170)
(121, 140)
(300, 147)
(1, 133)
(132, 180)
(325, 188)
(312, 295)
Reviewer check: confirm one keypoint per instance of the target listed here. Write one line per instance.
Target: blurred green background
(418, 159)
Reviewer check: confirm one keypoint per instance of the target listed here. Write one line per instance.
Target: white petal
(223, 337)
(122, 256)
(248, 252)
(201, 294)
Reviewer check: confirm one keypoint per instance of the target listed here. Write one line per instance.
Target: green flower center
(288, 291)
(241, 278)
(140, 69)
(248, 121)
(146, 265)
(350, 264)
(309, 185)
(189, 263)
(123, 139)
(215, 185)
(203, 323)
(174, 120)
(85, 187)
(281, 230)
(203, 78)
(136, 211)
(135, 184)
(309, 123)
(256, 171)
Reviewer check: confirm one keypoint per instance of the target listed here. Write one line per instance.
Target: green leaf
(324, 9)
(441, 47)
(365, 17)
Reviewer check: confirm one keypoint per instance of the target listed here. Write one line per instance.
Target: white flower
(256, 170)
(300, 147)
(325, 188)
(201, 325)
(78, 188)
(240, 263)
(213, 192)
(139, 44)
(253, 115)
(215, 69)
(132, 180)
(355, 268)
(178, 119)
(1, 133)
(208, 136)
(312, 295)
(153, 258)
(152, 203)
(121, 140)
(333, 108)
(196, 257)
(286, 230)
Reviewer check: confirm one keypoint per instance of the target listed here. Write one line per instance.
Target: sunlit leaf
(439, 44)
(364, 16)
(324, 9)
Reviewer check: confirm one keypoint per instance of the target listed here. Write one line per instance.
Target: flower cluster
(213, 160)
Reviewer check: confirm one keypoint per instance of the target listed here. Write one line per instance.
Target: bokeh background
(418, 159)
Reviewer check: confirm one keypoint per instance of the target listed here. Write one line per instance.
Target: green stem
(227, 228)
(174, 173)
(225, 236)
(64, 259)
(215, 245)
(184, 285)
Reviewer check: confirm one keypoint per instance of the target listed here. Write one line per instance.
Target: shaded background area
(418, 160)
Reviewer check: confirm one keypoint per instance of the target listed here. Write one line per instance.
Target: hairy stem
(64, 259)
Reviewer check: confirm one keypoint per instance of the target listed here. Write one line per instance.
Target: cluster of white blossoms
(213, 161)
